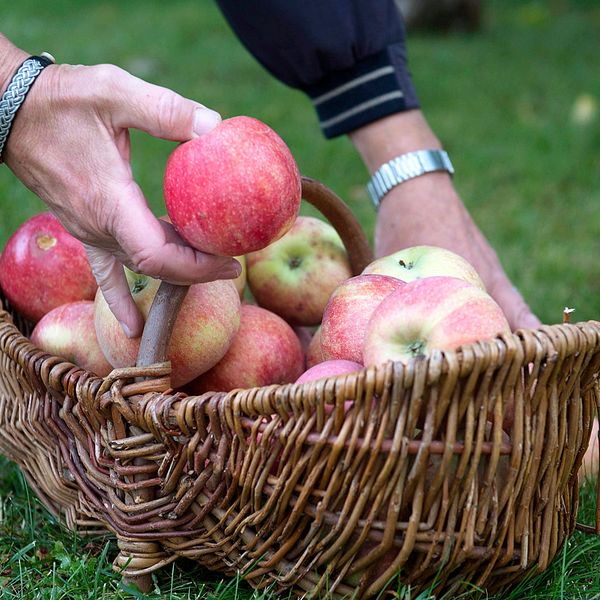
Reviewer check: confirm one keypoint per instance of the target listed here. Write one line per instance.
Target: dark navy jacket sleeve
(349, 56)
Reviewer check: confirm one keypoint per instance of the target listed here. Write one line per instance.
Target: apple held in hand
(425, 261)
(431, 313)
(265, 351)
(295, 276)
(68, 331)
(208, 319)
(44, 266)
(348, 312)
(234, 189)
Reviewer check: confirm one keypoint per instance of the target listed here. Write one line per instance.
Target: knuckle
(147, 262)
(168, 110)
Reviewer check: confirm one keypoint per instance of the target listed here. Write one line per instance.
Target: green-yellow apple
(295, 276)
(348, 312)
(264, 351)
(43, 266)
(234, 189)
(68, 331)
(432, 313)
(206, 324)
(425, 261)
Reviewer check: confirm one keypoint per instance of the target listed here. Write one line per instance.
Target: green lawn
(503, 101)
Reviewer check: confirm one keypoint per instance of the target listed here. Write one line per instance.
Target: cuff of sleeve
(373, 88)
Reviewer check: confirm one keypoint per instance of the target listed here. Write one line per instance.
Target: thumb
(112, 282)
(161, 112)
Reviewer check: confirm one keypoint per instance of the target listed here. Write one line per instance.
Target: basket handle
(169, 297)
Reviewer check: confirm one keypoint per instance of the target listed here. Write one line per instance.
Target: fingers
(160, 111)
(115, 289)
(153, 247)
(517, 311)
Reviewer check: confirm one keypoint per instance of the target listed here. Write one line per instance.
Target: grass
(503, 102)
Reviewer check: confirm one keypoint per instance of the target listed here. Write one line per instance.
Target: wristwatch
(404, 167)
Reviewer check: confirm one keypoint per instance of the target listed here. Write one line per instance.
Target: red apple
(348, 312)
(206, 324)
(295, 276)
(233, 190)
(425, 261)
(329, 368)
(68, 331)
(314, 354)
(44, 266)
(431, 313)
(265, 351)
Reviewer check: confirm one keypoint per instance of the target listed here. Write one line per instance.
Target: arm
(69, 144)
(349, 57)
(407, 214)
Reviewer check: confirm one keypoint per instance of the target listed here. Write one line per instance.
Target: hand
(427, 210)
(70, 145)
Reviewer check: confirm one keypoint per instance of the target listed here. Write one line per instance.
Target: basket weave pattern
(295, 484)
(329, 488)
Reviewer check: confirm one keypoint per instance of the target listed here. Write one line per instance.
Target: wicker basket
(331, 487)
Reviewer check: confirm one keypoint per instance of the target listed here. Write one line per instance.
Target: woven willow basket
(330, 488)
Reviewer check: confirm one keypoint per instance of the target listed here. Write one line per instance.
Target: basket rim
(543, 343)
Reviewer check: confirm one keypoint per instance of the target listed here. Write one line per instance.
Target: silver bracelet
(404, 167)
(17, 90)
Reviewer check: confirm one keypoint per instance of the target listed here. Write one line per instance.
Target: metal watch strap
(17, 90)
(404, 167)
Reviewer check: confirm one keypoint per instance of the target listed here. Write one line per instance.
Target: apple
(68, 331)
(348, 312)
(206, 324)
(295, 276)
(233, 190)
(425, 261)
(314, 354)
(43, 266)
(431, 313)
(265, 351)
(329, 368)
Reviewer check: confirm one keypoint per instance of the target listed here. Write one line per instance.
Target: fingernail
(205, 119)
(127, 330)
(235, 268)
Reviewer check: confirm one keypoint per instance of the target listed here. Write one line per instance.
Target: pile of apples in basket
(295, 314)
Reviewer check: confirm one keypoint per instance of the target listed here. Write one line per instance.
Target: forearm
(10, 59)
(407, 209)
